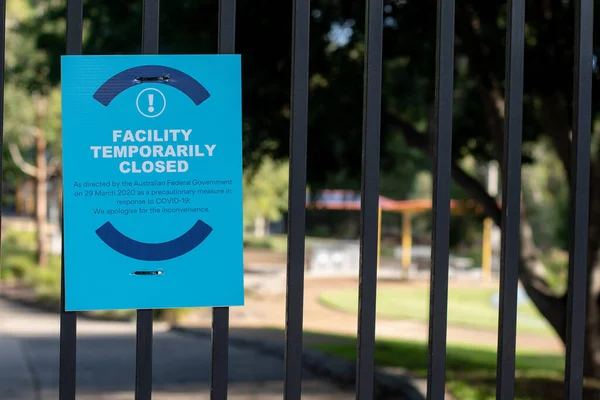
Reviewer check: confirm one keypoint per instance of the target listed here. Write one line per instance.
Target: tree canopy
(336, 87)
(336, 68)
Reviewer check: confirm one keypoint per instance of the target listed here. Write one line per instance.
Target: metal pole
(379, 215)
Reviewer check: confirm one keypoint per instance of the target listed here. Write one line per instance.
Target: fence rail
(442, 166)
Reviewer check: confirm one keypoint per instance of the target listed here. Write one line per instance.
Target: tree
(26, 118)
(41, 171)
(546, 196)
(480, 33)
(337, 49)
(265, 194)
(32, 115)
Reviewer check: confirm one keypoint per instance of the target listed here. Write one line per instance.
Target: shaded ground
(402, 345)
(29, 354)
(470, 371)
(29, 345)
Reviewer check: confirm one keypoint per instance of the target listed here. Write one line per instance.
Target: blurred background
(31, 199)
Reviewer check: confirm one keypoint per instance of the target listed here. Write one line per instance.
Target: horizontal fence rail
(442, 164)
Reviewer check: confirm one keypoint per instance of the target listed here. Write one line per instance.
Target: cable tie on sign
(147, 273)
(162, 78)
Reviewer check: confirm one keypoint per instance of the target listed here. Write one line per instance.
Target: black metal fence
(442, 143)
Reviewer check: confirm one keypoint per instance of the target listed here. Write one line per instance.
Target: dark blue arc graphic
(154, 251)
(128, 78)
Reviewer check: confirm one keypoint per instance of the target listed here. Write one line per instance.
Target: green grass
(275, 243)
(18, 266)
(466, 307)
(471, 371)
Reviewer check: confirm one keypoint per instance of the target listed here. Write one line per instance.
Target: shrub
(18, 264)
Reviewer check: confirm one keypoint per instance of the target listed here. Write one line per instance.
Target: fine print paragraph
(132, 197)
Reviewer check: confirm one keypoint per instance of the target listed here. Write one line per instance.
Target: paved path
(106, 363)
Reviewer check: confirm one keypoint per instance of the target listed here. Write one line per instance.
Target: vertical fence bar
(68, 320)
(2, 56)
(297, 200)
(367, 292)
(143, 362)
(580, 166)
(511, 200)
(220, 315)
(150, 27)
(220, 353)
(442, 161)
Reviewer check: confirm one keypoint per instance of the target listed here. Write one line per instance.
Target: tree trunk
(259, 227)
(41, 190)
(532, 274)
(592, 326)
(554, 306)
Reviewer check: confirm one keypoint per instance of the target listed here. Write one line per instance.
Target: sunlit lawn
(468, 307)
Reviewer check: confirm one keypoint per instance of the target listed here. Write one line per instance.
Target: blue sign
(152, 179)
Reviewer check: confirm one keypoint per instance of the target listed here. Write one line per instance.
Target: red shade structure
(339, 199)
(335, 199)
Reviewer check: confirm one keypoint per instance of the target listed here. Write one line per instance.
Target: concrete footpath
(29, 351)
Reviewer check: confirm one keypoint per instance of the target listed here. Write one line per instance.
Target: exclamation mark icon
(151, 103)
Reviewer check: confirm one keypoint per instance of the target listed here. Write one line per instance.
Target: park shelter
(336, 199)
